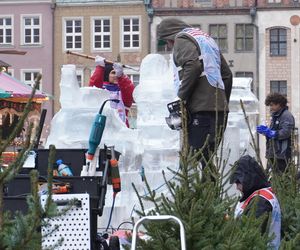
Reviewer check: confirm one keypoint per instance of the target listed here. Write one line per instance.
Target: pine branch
(3, 145)
(169, 186)
(20, 124)
(51, 159)
(140, 199)
(36, 211)
(14, 168)
(252, 136)
(151, 196)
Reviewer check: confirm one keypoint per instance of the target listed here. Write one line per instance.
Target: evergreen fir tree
(23, 231)
(207, 213)
(287, 189)
(199, 200)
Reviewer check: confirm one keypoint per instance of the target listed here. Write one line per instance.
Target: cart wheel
(114, 243)
(101, 243)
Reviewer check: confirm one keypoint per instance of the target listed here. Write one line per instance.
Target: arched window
(278, 44)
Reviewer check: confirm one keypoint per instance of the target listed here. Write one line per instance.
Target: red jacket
(125, 84)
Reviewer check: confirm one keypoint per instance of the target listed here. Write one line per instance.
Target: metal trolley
(78, 226)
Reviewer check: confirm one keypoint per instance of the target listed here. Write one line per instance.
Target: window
(31, 30)
(101, 33)
(278, 44)
(73, 34)
(163, 47)
(134, 78)
(196, 26)
(244, 37)
(278, 87)
(203, 3)
(274, 1)
(130, 33)
(236, 3)
(79, 74)
(246, 74)
(219, 33)
(28, 77)
(6, 31)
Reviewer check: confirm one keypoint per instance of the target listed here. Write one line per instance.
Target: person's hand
(270, 133)
(118, 67)
(100, 61)
(261, 129)
(264, 130)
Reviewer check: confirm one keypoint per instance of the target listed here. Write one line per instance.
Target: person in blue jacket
(279, 133)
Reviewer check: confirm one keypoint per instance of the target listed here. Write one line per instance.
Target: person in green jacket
(205, 82)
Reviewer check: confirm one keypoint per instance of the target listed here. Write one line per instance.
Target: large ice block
(69, 87)
(237, 137)
(71, 125)
(155, 90)
(152, 145)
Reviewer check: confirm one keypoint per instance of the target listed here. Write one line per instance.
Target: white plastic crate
(73, 227)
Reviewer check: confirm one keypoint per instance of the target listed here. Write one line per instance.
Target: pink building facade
(27, 25)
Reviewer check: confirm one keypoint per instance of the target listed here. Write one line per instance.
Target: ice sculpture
(71, 125)
(155, 90)
(152, 145)
(237, 138)
(160, 144)
(69, 90)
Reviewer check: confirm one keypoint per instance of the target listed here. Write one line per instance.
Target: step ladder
(158, 218)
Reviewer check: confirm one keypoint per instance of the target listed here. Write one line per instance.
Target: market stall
(13, 97)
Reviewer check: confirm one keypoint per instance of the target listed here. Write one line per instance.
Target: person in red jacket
(112, 78)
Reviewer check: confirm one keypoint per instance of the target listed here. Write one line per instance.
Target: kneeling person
(254, 186)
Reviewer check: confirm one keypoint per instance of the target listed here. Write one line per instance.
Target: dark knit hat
(250, 174)
(107, 70)
(168, 28)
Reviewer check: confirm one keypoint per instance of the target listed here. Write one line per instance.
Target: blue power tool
(97, 131)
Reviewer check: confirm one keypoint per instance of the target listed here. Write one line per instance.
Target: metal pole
(93, 58)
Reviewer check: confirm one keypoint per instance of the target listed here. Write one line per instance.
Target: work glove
(100, 61)
(118, 67)
(261, 129)
(270, 133)
(264, 130)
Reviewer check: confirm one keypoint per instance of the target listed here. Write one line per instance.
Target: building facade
(279, 60)
(230, 23)
(116, 30)
(279, 55)
(27, 25)
(259, 39)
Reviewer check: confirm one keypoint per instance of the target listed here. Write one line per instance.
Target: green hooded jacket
(195, 90)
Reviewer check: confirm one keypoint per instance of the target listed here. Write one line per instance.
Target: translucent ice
(152, 144)
(155, 91)
(237, 137)
(69, 87)
(71, 125)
